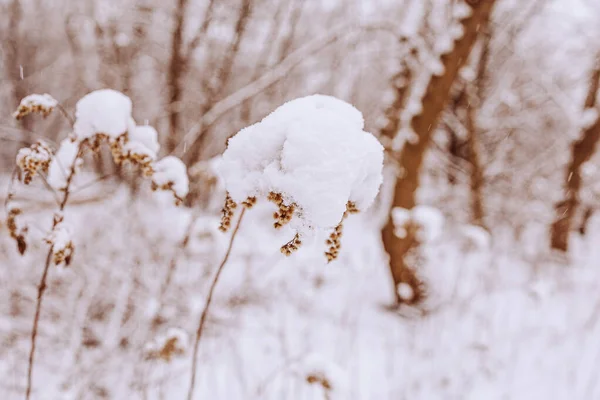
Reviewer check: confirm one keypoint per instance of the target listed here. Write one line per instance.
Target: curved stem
(200, 329)
(42, 285)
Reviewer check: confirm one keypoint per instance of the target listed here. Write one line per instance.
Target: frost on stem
(310, 157)
(61, 242)
(165, 347)
(34, 159)
(35, 103)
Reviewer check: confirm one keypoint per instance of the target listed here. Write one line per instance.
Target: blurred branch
(279, 72)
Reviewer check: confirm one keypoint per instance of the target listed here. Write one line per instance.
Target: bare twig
(200, 329)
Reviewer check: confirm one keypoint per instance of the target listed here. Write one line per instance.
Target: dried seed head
(249, 202)
(285, 212)
(35, 103)
(228, 211)
(31, 160)
(319, 379)
(334, 242)
(291, 246)
(166, 347)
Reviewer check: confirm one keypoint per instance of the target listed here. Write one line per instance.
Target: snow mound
(171, 173)
(104, 111)
(61, 164)
(142, 141)
(314, 152)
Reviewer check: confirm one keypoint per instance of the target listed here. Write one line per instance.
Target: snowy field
(503, 321)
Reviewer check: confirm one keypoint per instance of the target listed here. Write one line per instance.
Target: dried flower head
(31, 160)
(285, 212)
(166, 347)
(228, 211)
(249, 202)
(291, 246)
(312, 158)
(334, 240)
(35, 103)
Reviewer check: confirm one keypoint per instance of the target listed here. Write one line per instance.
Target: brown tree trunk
(412, 154)
(582, 150)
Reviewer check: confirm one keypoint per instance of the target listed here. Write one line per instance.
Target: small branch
(36, 321)
(200, 329)
(277, 73)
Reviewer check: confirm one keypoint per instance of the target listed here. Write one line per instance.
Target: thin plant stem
(42, 285)
(200, 329)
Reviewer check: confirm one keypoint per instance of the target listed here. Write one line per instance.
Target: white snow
(429, 220)
(142, 141)
(61, 164)
(588, 118)
(477, 236)
(104, 111)
(313, 151)
(171, 171)
(405, 291)
(461, 10)
(43, 101)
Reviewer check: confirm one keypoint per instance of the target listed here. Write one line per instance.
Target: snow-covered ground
(504, 320)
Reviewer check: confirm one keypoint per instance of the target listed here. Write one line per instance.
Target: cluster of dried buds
(285, 212)
(228, 211)
(166, 347)
(334, 240)
(34, 159)
(35, 103)
(291, 246)
(249, 202)
(319, 379)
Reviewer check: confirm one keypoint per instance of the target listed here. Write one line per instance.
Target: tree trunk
(412, 154)
(582, 150)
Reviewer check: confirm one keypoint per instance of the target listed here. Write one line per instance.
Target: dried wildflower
(166, 347)
(35, 103)
(61, 241)
(291, 246)
(16, 232)
(228, 211)
(285, 212)
(34, 159)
